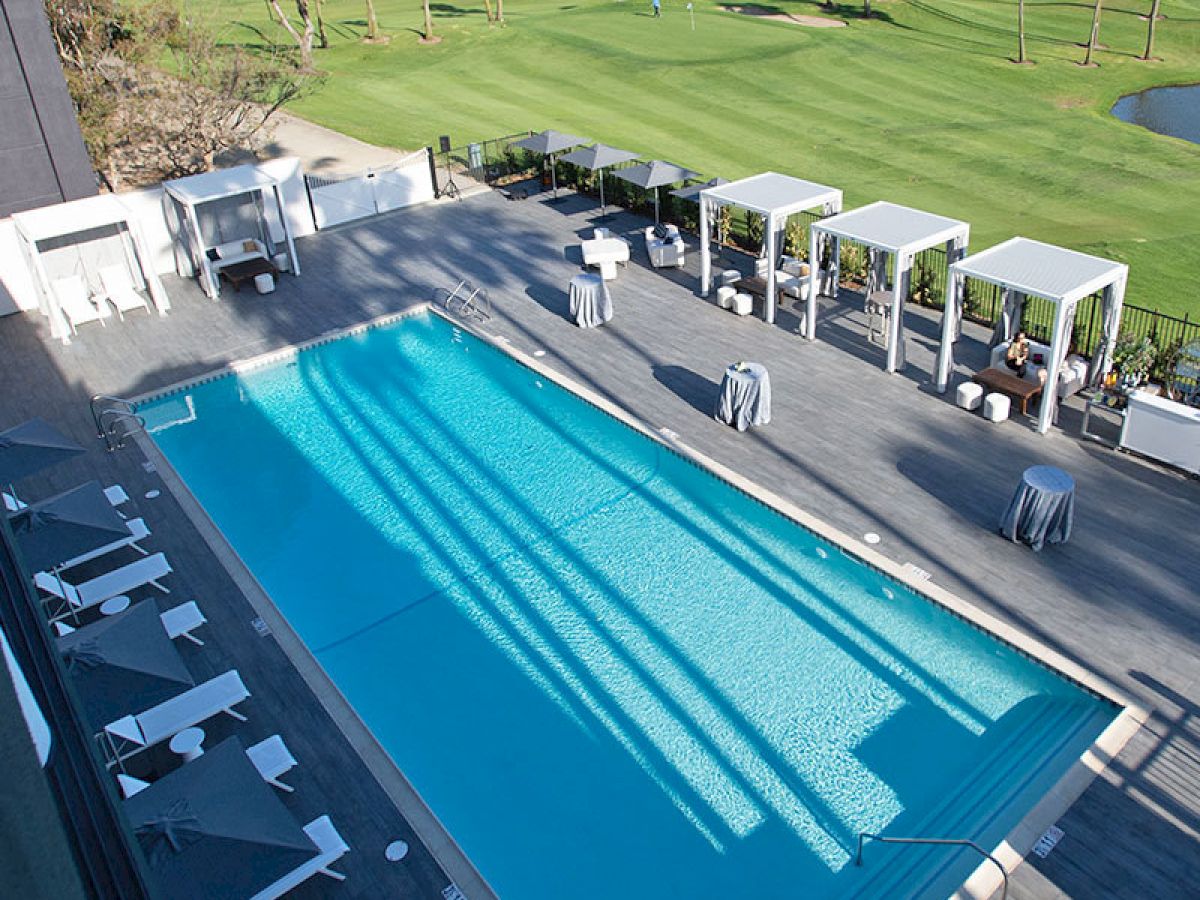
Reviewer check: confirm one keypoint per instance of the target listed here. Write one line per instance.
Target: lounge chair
(332, 848)
(138, 531)
(74, 598)
(181, 621)
(120, 292)
(132, 734)
(178, 622)
(114, 492)
(77, 306)
(272, 759)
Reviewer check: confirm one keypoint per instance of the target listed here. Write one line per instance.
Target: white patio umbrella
(548, 143)
(597, 158)
(656, 174)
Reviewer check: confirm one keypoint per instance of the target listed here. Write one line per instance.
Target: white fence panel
(344, 199)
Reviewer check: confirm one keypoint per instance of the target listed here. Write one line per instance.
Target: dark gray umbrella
(548, 143)
(123, 664)
(692, 191)
(214, 829)
(53, 531)
(599, 157)
(656, 174)
(31, 447)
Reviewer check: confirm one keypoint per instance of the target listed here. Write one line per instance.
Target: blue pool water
(608, 673)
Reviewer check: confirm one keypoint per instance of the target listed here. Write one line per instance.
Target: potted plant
(1133, 358)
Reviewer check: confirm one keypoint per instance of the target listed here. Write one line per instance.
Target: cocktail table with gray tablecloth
(745, 397)
(591, 304)
(1042, 509)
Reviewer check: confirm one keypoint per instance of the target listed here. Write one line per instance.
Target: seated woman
(1017, 357)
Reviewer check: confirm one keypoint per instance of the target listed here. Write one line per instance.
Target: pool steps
(1013, 769)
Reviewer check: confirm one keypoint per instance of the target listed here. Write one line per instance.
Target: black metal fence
(493, 162)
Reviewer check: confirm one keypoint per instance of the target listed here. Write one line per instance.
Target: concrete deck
(863, 450)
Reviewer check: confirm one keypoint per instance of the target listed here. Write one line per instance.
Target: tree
(1095, 34)
(1021, 32)
(866, 9)
(158, 96)
(322, 39)
(429, 37)
(372, 22)
(304, 40)
(500, 12)
(1149, 54)
(487, 5)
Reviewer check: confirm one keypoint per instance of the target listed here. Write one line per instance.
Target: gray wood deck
(863, 450)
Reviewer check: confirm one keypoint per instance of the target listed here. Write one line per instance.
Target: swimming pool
(609, 673)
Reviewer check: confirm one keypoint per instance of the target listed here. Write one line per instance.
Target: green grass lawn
(920, 106)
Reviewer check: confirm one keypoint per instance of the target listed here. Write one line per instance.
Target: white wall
(17, 292)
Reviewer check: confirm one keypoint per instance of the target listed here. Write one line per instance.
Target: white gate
(344, 198)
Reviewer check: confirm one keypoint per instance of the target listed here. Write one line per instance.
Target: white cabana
(1023, 268)
(887, 228)
(214, 208)
(773, 196)
(82, 237)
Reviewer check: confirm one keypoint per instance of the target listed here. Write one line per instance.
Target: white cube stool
(264, 283)
(729, 276)
(995, 407)
(743, 304)
(969, 395)
(725, 295)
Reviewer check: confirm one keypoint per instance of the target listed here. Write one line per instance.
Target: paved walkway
(321, 150)
(864, 450)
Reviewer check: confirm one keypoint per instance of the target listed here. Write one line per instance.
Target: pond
(1173, 111)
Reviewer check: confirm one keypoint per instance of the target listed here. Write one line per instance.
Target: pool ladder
(115, 419)
(865, 836)
(467, 301)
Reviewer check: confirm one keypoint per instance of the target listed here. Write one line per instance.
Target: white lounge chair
(138, 531)
(130, 785)
(272, 759)
(114, 493)
(181, 621)
(120, 292)
(331, 847)
(77, 306)
(132, 734)
(74, 598)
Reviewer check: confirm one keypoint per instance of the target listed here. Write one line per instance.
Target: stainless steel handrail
(866, 835)
(100, 403)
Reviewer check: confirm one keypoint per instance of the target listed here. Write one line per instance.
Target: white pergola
(102, 231)
(209, 187)
(1023, 268)
(889, 228)
(774, 197)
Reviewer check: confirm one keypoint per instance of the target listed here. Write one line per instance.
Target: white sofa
(1072, 377)
(666, 251)
(233, 252)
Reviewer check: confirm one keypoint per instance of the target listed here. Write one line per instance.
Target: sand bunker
(764, 12)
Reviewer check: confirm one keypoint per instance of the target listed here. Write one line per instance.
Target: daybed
(1072, 377)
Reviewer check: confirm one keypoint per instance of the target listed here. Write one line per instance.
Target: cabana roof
(72, 217)
(219, 183)
(893, 228)
(771, 192)
(1042, 270)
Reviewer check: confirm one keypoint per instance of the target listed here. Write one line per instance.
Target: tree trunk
(428, 21)
(866, 9)
(487, 5)
(500, 11)
(303, 41)
(372, 22)
(1149, 54)
(322, 40)
(1095, 35)
(1021, 31)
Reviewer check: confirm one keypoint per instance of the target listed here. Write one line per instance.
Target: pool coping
(982, 883)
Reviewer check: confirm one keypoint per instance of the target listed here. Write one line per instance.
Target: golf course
(920, 104)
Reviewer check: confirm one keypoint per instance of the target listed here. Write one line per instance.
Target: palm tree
(428, 38)
(1021, 31)
(372, 22)
(1094, 36)
(1149, 54)
(866, 9)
